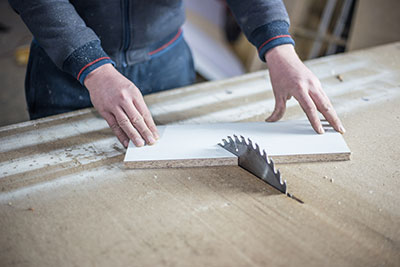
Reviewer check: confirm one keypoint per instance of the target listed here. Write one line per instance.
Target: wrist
(280, 51)
(98, 73)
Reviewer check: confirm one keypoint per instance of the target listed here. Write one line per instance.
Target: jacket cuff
(269, 36)
(85, 59)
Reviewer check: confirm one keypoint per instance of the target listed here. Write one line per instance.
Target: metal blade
(254, 161)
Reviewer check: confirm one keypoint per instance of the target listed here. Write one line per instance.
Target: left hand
(290, 77)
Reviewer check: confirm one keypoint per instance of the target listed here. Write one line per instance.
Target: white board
(197, 144)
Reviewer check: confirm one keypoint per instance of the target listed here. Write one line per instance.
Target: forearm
(62, 33)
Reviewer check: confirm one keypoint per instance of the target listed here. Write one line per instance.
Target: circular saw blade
(255, 161)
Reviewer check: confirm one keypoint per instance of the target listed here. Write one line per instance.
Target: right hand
(122, 105)
(290, 77)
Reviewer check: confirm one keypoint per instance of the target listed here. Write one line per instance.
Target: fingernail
(321, 130)
(139, 142)
(151, 140)
(126, 143)
(156, 135)
(342, 130)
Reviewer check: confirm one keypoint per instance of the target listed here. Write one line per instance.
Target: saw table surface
(67, 200)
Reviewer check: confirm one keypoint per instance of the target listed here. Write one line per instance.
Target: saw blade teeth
(284, 184)
(264, 155)
(250, 143)
(278, 173)
(257, 148)
(272, 164)
(255, 159)
(281, 181)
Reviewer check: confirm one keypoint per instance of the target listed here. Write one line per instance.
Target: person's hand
(122, 105)
(290, 77)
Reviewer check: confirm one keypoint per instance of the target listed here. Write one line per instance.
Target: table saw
(67, 199)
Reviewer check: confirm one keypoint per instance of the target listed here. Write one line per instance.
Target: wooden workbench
(67, 200)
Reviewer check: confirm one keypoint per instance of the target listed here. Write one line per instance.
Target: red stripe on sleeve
(90, 64)
(273, 38)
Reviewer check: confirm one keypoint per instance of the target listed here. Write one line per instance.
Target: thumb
(279, 110)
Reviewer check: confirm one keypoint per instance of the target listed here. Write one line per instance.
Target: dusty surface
(67, 199)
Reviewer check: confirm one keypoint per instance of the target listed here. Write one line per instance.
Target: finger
(139, 123)
(119, 133)
(279, 110)
(144, 111)
(310, 109)
(150, 123)
(126, 125)
(324, 106)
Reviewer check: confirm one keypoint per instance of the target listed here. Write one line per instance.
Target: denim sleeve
(64, 36)
(264, 22)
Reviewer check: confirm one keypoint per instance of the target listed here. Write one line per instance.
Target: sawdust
(339, 77)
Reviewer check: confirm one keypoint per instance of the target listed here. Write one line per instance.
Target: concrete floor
(14, 34)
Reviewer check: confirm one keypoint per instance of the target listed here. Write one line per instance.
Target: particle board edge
(182, 163)
(303, 158)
